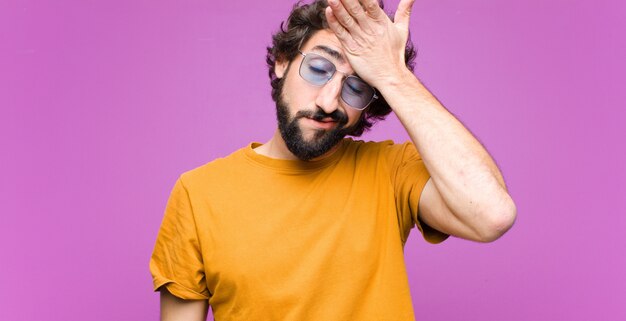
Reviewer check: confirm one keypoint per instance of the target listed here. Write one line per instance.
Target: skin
(466, 195)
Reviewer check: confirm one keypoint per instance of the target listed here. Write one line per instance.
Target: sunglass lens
(316, 69)
(356, 93)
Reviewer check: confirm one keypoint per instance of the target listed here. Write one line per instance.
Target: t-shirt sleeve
(409, 176)
(176, 261)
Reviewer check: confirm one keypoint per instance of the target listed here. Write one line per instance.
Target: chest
(289, 232)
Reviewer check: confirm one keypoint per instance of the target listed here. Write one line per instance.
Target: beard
(322, 140)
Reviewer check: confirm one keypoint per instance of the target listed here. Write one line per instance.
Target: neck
(276, 148)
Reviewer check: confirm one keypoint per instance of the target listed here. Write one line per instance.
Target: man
(311, 225)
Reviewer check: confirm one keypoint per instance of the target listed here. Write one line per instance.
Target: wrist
(397, 81)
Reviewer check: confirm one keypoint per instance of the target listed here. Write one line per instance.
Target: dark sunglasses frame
(343, 82)
(344, 85)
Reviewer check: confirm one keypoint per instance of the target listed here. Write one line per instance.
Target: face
(313, 119)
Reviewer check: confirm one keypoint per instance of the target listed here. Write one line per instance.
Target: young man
(311, 225)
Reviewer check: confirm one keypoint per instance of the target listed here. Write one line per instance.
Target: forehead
(325, 43)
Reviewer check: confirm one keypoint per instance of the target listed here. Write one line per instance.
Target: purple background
(104, 103)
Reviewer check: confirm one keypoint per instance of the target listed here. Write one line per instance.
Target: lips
(325, 123)
(325, 120)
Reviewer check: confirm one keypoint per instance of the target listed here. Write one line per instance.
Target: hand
(374, 45)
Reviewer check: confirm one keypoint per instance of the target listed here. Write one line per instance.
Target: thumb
(403, 13)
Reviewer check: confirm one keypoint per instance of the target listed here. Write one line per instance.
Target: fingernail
(332, 2)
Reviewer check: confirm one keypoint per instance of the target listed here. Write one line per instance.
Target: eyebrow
(332, 52)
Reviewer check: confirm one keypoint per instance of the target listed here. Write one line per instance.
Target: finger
(343, 17)
(403, 14)
(354, 8)
(373, 9)
(342, 34)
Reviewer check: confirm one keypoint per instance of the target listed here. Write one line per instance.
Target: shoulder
(360, 146)
(213, 171)
(387, 149)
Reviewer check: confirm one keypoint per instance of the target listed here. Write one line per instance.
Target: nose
(328, 96)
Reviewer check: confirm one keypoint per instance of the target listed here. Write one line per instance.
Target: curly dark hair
(304, 20)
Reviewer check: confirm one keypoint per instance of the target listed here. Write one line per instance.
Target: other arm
(177, 309)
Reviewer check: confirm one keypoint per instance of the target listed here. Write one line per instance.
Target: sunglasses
(318, 70)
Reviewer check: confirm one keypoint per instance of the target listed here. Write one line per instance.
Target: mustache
(320, 115)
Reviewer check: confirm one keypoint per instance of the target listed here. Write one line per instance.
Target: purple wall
(104, 103)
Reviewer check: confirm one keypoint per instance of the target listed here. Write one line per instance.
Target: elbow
(498, 221)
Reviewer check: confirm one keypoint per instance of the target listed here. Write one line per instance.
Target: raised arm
(466, 195)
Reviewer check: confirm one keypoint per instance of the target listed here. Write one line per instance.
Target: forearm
(462, 170)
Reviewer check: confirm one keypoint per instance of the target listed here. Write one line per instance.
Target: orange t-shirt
(269, 239)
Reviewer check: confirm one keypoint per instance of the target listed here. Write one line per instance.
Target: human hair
(303, 21)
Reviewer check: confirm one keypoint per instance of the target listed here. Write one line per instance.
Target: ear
(280, 67)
